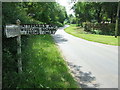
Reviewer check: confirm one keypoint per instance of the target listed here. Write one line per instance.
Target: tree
(100, 11)
(34, 12)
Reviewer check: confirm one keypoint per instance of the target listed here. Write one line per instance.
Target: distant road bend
(93, 64)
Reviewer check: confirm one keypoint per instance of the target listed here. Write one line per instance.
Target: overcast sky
(67, 4)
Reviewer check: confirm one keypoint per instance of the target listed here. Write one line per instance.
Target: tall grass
(43, 66)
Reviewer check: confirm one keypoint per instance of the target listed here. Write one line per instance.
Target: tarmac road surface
(93, 64)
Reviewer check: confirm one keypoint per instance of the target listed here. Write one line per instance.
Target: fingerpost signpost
(27, 29)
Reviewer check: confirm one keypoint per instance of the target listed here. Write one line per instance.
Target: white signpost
(14, 31)
(17, 31)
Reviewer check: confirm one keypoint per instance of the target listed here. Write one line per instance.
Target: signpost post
(19, 48)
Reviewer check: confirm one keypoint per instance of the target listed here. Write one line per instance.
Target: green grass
(43, 66)
(79, 32)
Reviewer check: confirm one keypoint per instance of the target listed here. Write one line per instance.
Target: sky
(68, 5)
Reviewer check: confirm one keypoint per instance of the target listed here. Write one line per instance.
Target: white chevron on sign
(12, 31)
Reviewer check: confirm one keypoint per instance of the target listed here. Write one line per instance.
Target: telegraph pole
(117, 19)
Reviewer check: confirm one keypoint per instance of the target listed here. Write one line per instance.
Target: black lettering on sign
(38, 29)
(29, 29)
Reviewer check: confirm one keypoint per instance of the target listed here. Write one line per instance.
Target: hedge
(100, 28)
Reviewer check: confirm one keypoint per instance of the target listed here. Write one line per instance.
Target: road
(93, 65)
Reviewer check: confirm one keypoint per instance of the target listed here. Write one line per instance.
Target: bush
(10, 76)
(9, 63)
(96, 31)
(87, 26)
(59, 24)
(100, 28)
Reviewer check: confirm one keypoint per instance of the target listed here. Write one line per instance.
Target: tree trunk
(98, 15)
(111, 16)
(117, 18)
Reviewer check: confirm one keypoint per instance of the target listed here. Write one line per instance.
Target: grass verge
(79, 32)
(43, 66)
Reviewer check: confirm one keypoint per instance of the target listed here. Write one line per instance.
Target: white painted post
(19, 49)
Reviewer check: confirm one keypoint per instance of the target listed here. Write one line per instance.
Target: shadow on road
(59, 38)
(84, 79)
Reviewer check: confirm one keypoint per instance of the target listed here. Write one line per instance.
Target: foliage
(72, 19)
(100, 11)
(97, 12)
(33, 13)
(100, 28)
(9, 63)
(13, 11)
(43, 66)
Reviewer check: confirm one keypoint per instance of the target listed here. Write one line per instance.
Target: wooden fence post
(19, 49)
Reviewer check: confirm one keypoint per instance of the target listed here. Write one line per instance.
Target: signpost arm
(19, 49)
